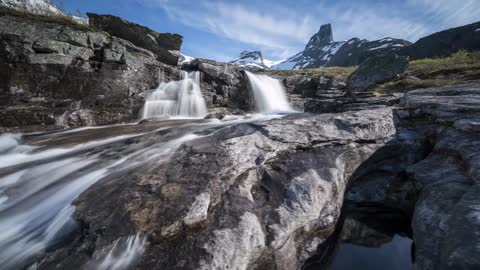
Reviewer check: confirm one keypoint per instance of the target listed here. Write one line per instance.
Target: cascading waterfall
(269, 94)
(177, 98)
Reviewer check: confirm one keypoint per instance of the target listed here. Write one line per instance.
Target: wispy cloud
(281, 28)
(448, 13)
(243, 24)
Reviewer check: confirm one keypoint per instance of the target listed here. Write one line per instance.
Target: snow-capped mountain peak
(253, 60)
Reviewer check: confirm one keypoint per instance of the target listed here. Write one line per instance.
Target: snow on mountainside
(322, 50)
(253, 61)
(184, 59)
(38, 7)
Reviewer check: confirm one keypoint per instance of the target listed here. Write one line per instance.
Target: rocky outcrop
(250, 196)
(65, 75)
(224, 86)
(302, 88)
(375, 70)
(164, 45)
(445, 221)
(445, 43)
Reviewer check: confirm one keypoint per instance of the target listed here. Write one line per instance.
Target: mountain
(253, 60)
(185, 59)
(445, 42)
(321, 50)
(355, 51)
(38, 7)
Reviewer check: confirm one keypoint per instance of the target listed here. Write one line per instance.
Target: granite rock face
(65, 75)
(375, 70)
(164, 45)
(445, 221)
(259, 195)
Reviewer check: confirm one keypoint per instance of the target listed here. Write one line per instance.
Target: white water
(269, 94)
(36, 199)
(120, 255)
(177, 98)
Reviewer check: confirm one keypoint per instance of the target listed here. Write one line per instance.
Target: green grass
(338, 72)
(461, 67)
(57, 19)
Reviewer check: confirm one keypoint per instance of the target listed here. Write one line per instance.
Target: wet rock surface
(251, 195)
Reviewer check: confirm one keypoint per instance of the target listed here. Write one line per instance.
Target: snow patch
(184, 59)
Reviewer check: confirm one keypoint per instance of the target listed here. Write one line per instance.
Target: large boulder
(375, 70)
(260, 195)
(165, 46)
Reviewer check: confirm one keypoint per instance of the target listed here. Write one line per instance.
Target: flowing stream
(177, 98)
(42, 174)
(269, 94)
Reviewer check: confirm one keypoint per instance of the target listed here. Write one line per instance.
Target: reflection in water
(394, 255)
(367, 237)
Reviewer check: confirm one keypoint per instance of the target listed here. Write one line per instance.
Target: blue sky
(221, 29)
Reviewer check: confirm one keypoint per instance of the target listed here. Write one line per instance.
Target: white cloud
(281, 29)
(282, 36)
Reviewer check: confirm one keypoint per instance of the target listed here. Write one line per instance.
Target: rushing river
(42, 174)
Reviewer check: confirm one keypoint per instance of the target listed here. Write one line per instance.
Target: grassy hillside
(461, 67)
(340, 72)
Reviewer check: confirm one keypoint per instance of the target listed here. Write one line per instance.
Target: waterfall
(177, 98)
(269, 94)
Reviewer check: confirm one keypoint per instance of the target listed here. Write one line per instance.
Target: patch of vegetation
(339, 72)
(57, 19)
(461, 67)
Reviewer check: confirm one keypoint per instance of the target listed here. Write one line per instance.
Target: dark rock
(164, 45)
(346, 103)
(445, 43)
(71, 77)
(445, 222)
(375, 70)
(223, 85)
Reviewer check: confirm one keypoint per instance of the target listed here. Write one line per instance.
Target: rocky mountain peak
(323, 37)
(255, 55)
